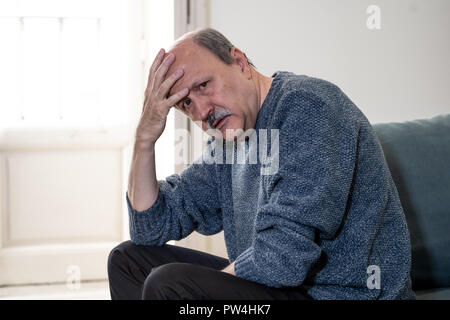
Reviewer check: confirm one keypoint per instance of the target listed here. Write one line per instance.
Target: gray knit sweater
(326, 216)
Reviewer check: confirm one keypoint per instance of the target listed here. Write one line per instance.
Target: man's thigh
(185, 281)
(129, 265)
(148, 257)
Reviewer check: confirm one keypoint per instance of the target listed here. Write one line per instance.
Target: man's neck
(262, 85)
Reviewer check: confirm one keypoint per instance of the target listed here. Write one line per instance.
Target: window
(72, 79)
(62, 62)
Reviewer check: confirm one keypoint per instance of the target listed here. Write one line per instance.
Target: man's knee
(116, 257)
(167, 282)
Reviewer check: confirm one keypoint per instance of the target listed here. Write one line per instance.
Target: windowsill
(65, 136)
(91, 290)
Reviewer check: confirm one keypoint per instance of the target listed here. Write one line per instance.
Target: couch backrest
(418, 155)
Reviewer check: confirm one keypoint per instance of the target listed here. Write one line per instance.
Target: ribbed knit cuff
(155, 205)
(244, 265)
(140, 221)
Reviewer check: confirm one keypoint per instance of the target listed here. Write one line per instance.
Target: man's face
(220, 95)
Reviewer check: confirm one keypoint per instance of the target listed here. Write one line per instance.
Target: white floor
(98, 290)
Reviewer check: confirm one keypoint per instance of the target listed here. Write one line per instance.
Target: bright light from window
(160, 34)
(63, 62)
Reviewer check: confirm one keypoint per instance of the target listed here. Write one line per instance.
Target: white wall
(399, 72)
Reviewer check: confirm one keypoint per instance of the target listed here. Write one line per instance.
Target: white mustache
(216, 115)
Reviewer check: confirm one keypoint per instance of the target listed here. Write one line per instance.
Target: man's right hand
(157, 103)
(142, 184)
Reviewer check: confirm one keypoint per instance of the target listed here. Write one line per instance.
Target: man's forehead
(187, 54)
(190, 58)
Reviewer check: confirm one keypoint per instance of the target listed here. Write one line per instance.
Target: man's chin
(228, 134)
(221, 135)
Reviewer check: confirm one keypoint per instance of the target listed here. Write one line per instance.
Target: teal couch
(418, 155)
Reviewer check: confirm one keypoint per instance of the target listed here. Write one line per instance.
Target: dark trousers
(173, 273)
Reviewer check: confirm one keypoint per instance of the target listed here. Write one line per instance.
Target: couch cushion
(418, 155)
(433, 294)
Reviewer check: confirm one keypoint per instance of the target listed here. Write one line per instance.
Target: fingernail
(185, 90)
(179, 72)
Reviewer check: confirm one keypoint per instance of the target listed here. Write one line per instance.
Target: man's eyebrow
(197, 82)
(194, 84)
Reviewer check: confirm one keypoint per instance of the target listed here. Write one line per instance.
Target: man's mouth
(217, 119)
(219, 122)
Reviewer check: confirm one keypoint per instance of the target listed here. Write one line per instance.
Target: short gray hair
(217, 43)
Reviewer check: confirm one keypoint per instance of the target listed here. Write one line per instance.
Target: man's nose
(204, 110)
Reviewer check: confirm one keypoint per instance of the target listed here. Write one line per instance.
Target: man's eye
(186, 103)
(203, 84)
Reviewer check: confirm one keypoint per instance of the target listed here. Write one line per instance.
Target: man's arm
(168, 209)
(142, 183)
(143, 186)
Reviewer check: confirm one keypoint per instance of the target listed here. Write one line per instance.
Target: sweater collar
(264, 111)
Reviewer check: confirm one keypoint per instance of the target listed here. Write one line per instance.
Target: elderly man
(325, 223)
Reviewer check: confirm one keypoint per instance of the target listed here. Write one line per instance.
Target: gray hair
(216, 42)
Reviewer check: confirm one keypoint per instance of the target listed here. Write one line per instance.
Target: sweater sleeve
(306, 199)
(186, 202)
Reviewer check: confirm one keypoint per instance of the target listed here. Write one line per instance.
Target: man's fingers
(164, 89)
(162, 70)
(155, 65)
(160, 88)
(175, 98)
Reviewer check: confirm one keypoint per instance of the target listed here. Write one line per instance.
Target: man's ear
(241, 60)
